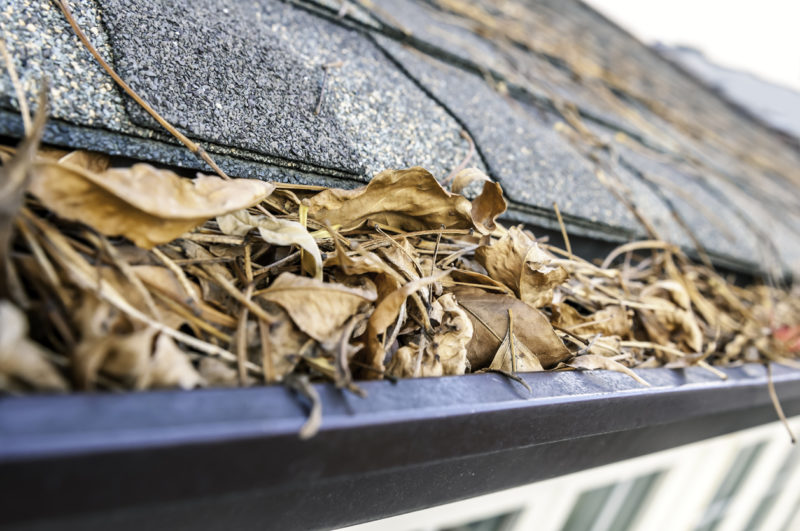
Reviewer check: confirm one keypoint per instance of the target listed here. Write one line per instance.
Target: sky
(762, 37)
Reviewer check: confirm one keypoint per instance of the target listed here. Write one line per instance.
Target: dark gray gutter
(231, 458)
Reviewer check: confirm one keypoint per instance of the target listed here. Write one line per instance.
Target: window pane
(635, 501)
(587, 509)
(741, 467)
(769, 499)
(613, 507)
(502, 522)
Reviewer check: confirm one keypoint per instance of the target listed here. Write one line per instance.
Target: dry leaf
(318, 308)
(461, 277)
(14, 180)
(88, 160)
(519, 263)
(142, 357)
(489, 315)
(609, 321)
(385, 314)
(487, 204)
(469, 182)
(408, 200)
(145, 204)
(216, 373)
(404, 258)
(274, 231)
(673, 323)
(355, 263)
(282, 343)
(594, 362)
(404, 364)
(512, 355)
(168, 366)
(21, 358)
(448, 347)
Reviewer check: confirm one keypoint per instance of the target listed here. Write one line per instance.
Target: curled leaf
(274, 231)
(610, 321)
(446, 353)
(486, 195)
(408, 200)
(386, 313)
(21, 358)
(147, 205)
(518, 262)
(319, 309)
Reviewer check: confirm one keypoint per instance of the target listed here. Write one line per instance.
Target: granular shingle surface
(552, 94)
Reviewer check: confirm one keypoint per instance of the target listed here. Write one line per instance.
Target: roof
(562, 106)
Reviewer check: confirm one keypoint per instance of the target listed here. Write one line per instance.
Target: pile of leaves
(137, 278)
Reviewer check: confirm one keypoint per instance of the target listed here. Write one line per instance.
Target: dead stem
(773, 395)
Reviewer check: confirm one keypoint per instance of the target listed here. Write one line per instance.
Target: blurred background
(749, 51)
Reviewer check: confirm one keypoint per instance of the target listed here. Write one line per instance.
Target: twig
(563, 230)
(241, 338)
(301, 384)
(514, 377)
(513, 349)
(191, 296)
(433, 263)
(465, 161)
(325, 69)
(773, 395)
(183, 139)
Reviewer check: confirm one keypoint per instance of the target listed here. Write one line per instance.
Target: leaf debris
(218, 282)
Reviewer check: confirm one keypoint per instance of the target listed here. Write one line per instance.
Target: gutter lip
(53, 426)
(231, 458)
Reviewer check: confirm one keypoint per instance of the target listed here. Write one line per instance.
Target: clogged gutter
(135, 278)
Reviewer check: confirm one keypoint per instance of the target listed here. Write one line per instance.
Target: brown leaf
(145, 204)
(486, 205)
(21, 358)
(609, 321)
(14, 181)
(404, 364)
(448, 347)
(386, 313)
(595, 361)
(673, 323)
(274, 231)
(216, 373)
(318, 308)
(142, 357)
(404, 258)
(168, 366)
(465, 276)
(519, 263)
(469, 181)
(282, 345)
(408, 200)
(489, 315)
(355, 263)
(512, 355)
(88, 160)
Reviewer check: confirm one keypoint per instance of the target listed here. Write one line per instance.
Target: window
(502, 522)
(771, 496)
(743, 463)
(613, 507)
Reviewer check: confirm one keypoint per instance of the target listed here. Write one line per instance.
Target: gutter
(231, 458)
